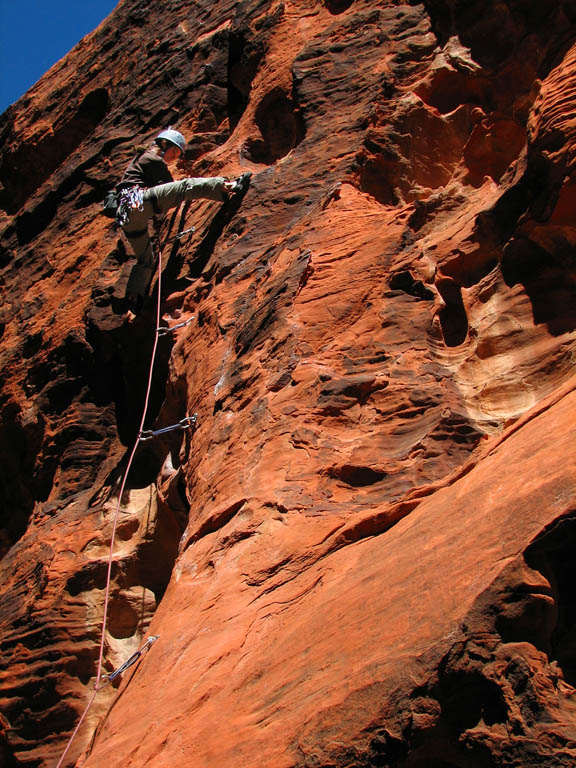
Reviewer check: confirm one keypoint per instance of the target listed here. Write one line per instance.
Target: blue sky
(34, 34)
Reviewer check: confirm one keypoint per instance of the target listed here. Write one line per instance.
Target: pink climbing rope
(127, 470)
(115, 519)
(71, 739)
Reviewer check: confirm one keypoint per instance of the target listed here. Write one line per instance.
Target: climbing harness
(132, 660)
(165, 330)
(129, 199)
(186, 423)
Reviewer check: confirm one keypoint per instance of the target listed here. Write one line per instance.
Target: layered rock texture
(365, 554)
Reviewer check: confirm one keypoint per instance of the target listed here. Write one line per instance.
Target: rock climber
(147, 188)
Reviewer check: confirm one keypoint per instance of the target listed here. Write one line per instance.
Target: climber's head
(171, 144)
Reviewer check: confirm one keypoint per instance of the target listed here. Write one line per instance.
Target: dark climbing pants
(159, 200)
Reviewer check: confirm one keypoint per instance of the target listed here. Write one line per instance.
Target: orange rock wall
(364, 555)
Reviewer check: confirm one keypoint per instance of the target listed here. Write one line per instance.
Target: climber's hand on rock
(238, 186)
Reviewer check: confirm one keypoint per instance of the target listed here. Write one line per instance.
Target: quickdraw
(163, 331)
(184, 232)
(130, 661)
(186, 423)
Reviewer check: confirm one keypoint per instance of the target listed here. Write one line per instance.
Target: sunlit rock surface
(365, 554)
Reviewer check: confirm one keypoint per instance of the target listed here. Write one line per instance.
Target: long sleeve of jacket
(147, 170)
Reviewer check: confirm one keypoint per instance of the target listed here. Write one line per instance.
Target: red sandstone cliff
(364, 556)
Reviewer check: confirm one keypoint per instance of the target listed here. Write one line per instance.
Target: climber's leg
(136, 231)
(167, 196)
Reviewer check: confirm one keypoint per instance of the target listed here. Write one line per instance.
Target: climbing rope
(132, 660)
(127, 470)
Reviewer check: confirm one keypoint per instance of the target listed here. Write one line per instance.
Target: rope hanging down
(137, 655)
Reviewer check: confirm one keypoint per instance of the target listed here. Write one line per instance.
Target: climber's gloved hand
(238, 187)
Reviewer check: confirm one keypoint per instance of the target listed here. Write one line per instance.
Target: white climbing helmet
(174, 137)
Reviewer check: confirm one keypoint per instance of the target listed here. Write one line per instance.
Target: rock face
(364, 555)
